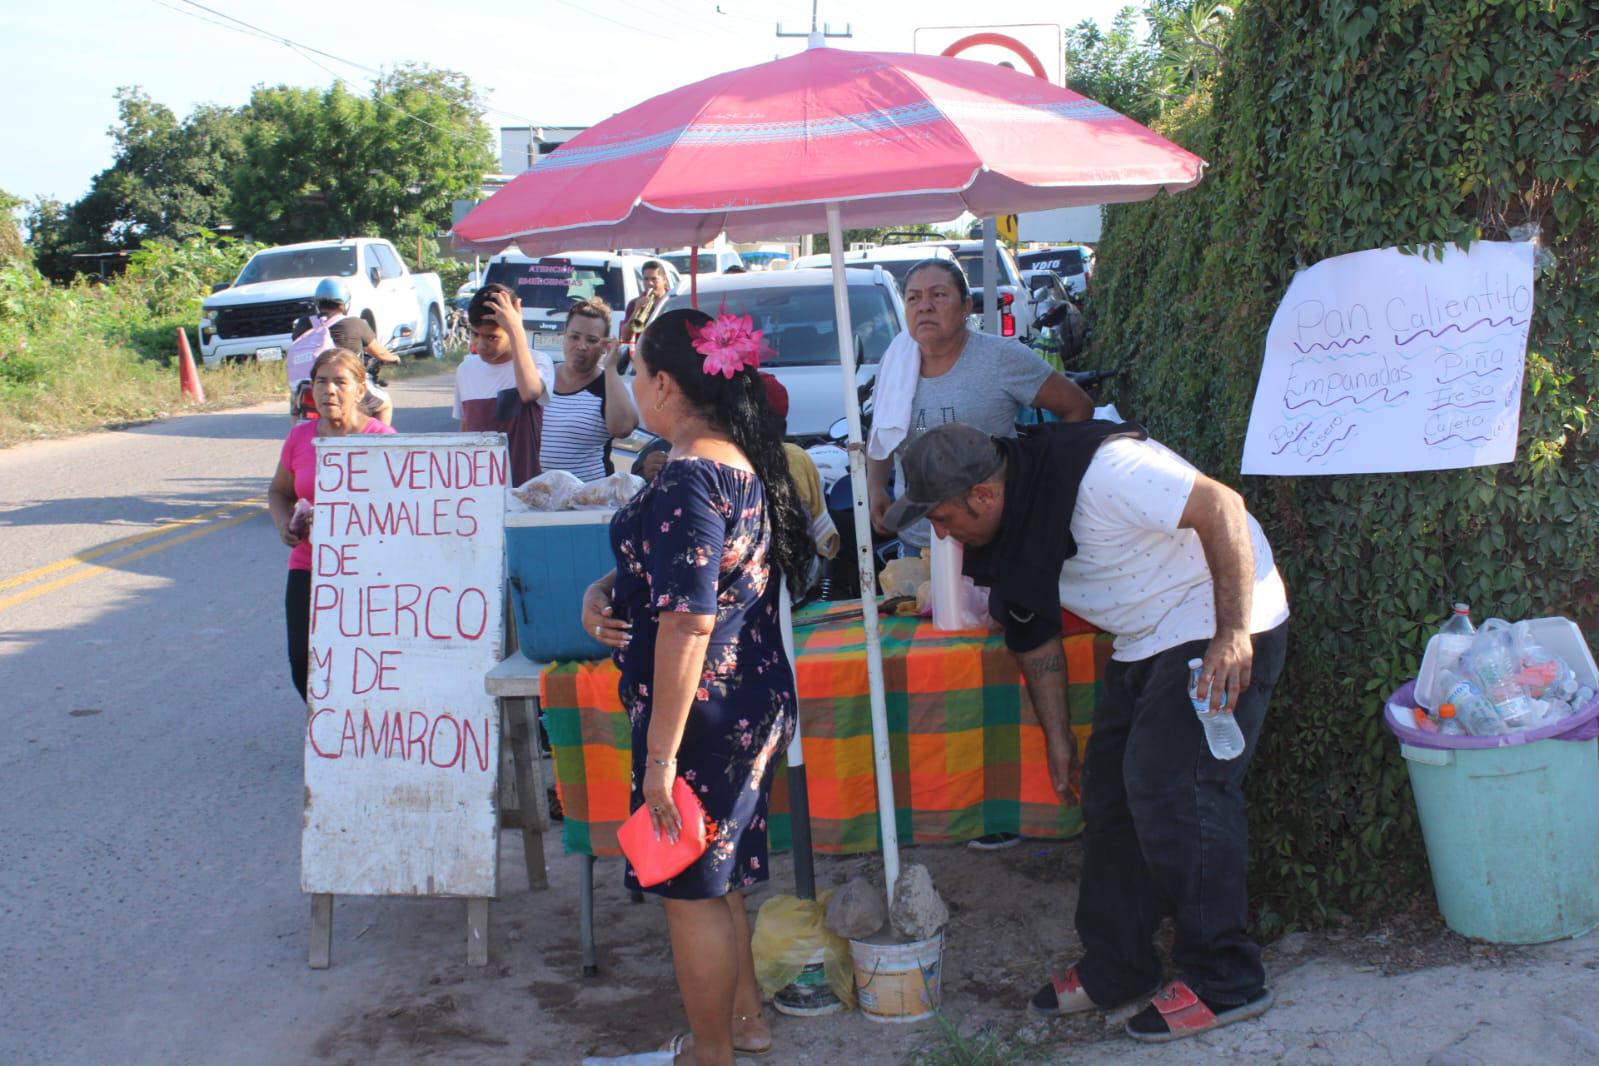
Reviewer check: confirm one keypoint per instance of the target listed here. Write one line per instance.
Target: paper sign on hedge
(1379, 362)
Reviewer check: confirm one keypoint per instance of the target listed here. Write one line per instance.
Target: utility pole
(815, 38)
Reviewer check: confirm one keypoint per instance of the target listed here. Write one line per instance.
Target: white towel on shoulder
(894, 395)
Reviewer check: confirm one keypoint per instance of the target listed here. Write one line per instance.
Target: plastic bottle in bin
(1448, 724)
(1448, 645)
(1226, 740)
(1468, 705)
(1495, 660)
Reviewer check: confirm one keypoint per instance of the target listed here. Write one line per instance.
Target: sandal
(674, 1047)
(750, 1049)
(1063, 994)
(1177, 1012)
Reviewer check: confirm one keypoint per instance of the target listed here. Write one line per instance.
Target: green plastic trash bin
(1512, 832)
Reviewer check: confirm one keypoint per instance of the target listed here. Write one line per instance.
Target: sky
(545, 62)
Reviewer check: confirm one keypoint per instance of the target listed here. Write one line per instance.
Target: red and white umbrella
(830, 138)
(888, 138)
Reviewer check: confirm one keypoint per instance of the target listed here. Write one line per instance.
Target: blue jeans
(1166, 832)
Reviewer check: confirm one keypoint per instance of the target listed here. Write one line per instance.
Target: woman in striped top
(589, 406)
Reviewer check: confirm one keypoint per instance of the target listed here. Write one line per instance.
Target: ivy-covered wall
(1334, 127)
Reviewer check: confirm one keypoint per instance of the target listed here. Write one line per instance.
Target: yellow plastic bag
(788, 932)
(901, 577)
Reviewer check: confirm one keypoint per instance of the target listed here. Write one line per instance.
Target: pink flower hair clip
(729, 343)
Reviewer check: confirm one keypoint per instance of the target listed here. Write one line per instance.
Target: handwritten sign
(1378, 362)
(402, 743)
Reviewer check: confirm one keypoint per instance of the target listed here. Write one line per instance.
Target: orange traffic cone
(188, 377)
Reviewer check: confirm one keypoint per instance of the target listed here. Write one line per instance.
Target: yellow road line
(89, 570)
(125, 542)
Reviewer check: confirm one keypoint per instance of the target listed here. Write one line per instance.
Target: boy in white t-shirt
(1096, 518)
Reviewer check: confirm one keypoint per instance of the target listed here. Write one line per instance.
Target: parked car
(253, 317)
(548, 285)
(711, 260)
(794, 310)
(894, 258)
(1073, 262)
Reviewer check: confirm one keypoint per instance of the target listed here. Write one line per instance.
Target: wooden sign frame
(402, 743)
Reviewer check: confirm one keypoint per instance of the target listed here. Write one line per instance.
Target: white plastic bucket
(898, 983)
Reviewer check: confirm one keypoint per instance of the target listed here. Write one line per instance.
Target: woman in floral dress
(692, 613)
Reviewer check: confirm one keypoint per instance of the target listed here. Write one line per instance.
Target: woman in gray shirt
(974, 378)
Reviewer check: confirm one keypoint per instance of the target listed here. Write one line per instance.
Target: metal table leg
(585, 923)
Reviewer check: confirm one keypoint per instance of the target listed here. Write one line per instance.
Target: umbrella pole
(863, 545)
(694, 277)
(799, 803)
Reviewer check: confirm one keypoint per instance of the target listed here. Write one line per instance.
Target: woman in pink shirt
(338, 382)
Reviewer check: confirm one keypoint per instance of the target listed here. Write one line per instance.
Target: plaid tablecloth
(968, 753)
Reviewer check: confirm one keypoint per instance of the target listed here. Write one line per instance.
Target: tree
(12, 250)
(1141, 74)
(1115, 67)
(167, 179)
(334, 163)
(52, 238)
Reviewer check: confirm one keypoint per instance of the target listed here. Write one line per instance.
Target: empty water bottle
(1494, 659)
(1446, 648)
(1469, 706)
(1226, 740)
(1448, 724)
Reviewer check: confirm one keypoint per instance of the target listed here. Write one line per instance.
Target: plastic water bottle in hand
(1226, 740)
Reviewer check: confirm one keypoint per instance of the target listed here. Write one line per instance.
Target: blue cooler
(550, 558)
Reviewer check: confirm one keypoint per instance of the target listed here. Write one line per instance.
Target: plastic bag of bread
(550, 491)
(903, 576)
(610, 492)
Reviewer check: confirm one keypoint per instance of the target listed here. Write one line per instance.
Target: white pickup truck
(254, 316)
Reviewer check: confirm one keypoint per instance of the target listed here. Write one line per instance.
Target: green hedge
(1334, 127)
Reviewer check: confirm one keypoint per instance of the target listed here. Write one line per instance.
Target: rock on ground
(857, 909)
(918, 910)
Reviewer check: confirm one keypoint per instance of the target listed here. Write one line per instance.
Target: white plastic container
(945, 556)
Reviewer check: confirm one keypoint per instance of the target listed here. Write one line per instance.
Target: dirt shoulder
(1409, 991)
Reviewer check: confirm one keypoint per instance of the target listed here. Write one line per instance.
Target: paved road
(149, 863)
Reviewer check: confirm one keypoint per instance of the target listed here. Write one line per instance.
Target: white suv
(897, 259)
(711, 260)
(548, 286)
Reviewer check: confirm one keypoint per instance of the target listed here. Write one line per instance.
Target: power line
(607, 18)
(305, 51)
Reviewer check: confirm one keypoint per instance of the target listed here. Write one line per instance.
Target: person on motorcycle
(353, 335)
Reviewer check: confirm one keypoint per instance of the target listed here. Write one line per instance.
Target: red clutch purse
(659, 860)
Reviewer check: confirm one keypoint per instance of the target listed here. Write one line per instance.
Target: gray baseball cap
(941, 464)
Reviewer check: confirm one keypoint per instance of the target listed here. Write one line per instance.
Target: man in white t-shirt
(1096, 518)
